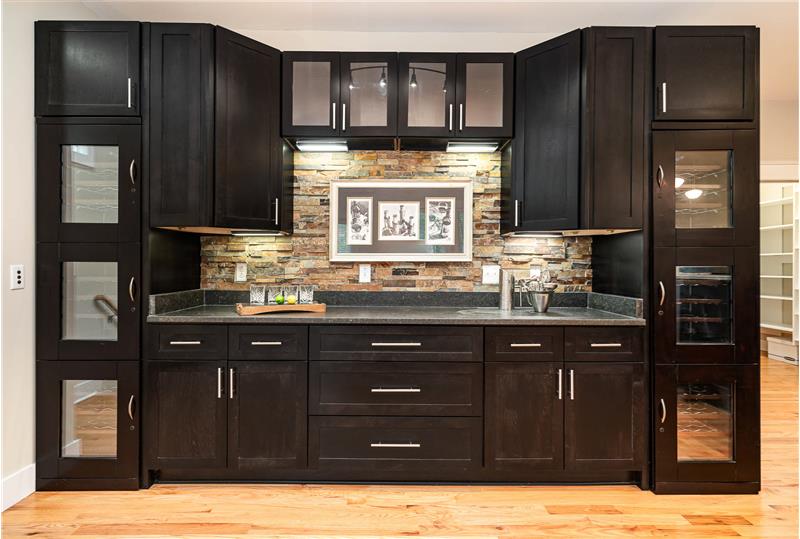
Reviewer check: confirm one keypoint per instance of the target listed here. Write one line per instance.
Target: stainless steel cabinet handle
(461, 116)
(451, 117)
(395, 390)
(344, 116)
(560, 383)
(333, 112)
(525, 345)
(571, 385)
(660, 176)
(219, 382)
(277, 207)
(132, 172)
(230, 378)
(381, 444)
(516, 213)
(129, 92)
(663, 97)
(663, 411)
(130, 407)
(131, 286)
(397, 344)
(185, 343)
(606, 345)
(663, 293)
(266, 343)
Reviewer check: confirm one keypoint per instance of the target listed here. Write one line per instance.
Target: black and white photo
(399, 221)
(440, 221)
(359, 221)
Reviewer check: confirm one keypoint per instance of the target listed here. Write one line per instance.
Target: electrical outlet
(364, 273)
(535, 272)
(17, 274)
(241, 272)
(491, 274)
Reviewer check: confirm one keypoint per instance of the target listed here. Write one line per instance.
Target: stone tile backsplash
(303, 257)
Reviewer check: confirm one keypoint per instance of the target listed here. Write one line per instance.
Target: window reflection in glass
(705, 422)
(89, 301)
(89, 418)
(427, 94)
(89, 184)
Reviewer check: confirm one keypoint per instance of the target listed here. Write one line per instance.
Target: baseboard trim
(19, 485)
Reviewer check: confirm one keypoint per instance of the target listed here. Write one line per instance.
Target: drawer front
(268, 343)
(524, 344)
(184, 341)
(603, 344)
(396, 343)
(412, 389)
(394, 443)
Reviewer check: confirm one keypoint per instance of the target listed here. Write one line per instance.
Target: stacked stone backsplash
(303, 256)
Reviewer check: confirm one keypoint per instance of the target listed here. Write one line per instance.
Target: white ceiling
(469, 26)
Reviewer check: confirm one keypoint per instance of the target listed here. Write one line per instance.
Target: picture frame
(391, 219)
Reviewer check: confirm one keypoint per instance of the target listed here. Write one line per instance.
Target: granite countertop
(490, 316)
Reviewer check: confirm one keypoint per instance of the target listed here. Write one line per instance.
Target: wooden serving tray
(245, 309)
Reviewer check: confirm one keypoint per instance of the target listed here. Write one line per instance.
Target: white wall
(18, 233)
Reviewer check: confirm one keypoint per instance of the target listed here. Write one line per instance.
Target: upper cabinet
(328, 94)
(706, 72)
(87, 68)
(427, 94)
(216, 156)
(485, 94)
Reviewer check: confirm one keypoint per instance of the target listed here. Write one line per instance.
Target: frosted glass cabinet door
(426, 102)
(88, 183)
(87, 301)
(311, 104)
(484, 95)
(368, 94)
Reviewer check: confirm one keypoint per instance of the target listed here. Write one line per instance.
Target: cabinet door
(603, 424)
(88, 182)
(546, 153)
(186, 423)
(614, 148)
(248, 142)
(706, 305)
(705, 188)
(706, 73)
(369, 94)
(87, 68)
(707, 426)
(484, 94)
(524, 417)
(181, 99)
(427, 95)
(87, 424)
(267, 414)
(310, 94)
(87, 298)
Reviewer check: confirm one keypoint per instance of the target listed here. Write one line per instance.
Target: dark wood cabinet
(706, 429)
(87, 425)
(87, 298)
(603, 419)
(427, 94)
(186, 414)
(216, 156)
(614, 142)
(546, 147)
(310, 94)
(706, 72)
(485, 95)
(267, 414)
(368, 94)
(524, 417)
(705, 188)
(87, 68)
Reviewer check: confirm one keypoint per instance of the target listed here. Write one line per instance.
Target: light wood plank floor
(476, 511)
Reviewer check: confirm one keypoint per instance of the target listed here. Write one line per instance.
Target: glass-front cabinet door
(706, 424)
(705, 188)
(484, 95)
(311, 105)
(368, 82)
(704, 311)
(427, 95)
(86, 301)
(87, 424)
(88, 181)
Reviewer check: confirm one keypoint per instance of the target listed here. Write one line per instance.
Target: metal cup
(540, 301)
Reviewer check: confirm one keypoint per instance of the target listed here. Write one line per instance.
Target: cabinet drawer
(371, 388)
(396, 343)
(394, 443)
(524, 344)
(281, 343)
(603, 344)
(198, 341)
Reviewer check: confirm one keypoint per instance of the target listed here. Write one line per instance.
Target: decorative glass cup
(272, 293)
(257, 292)
(306, 294)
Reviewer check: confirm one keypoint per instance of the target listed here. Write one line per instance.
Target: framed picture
(403, 220)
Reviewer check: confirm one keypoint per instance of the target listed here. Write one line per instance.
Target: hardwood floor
(477, 511)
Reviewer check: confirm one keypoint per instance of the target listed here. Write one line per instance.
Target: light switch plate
(241, 272)
(17, 276)
(491, 274)
(364, 273)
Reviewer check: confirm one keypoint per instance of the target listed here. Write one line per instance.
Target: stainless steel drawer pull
(571, 385)
(230, 382)
(129, 93)
(663, 411)
(344, 116)
(277, 210)
(516, 213)
(663, 293)
(132, 172)
(333, 115)
(461, 116)
(525, 345)
(266, 343)
(130, 408)
(606, 345)
(660, 176)
(185, 343)
(395, 390)
(219, 382)
(451, 117)
(663, 97)
(560, 384)
(408, 445)
(397, 344)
